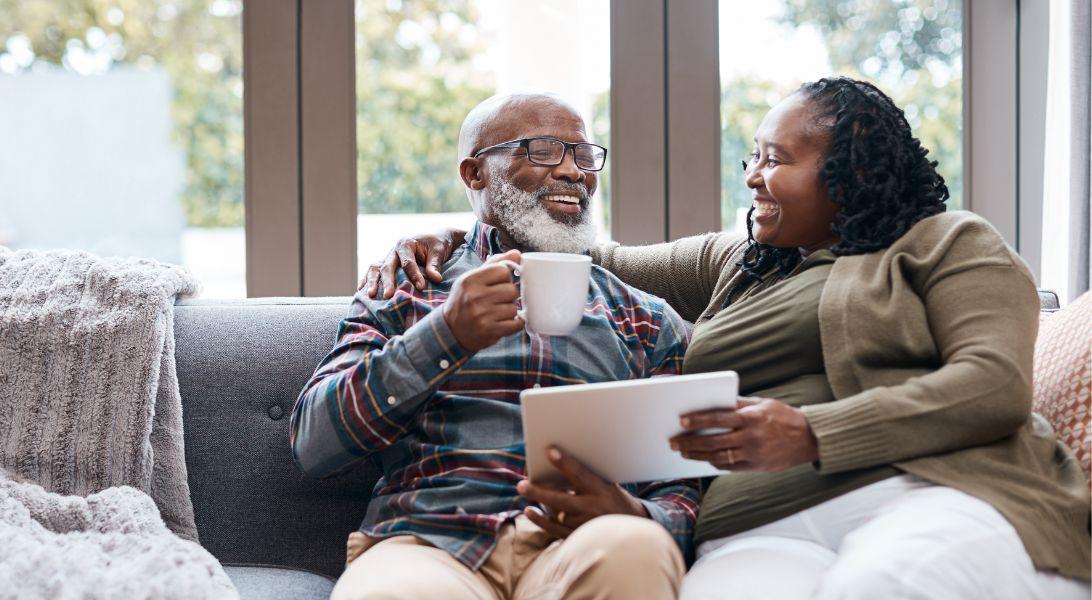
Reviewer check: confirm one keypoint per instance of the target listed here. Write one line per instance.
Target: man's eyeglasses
(549, 152)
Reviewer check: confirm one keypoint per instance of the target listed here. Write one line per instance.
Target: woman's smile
(766, 211)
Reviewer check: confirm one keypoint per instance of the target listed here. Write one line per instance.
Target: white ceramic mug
(553, 290)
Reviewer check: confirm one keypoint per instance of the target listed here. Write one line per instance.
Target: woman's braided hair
(876, 171)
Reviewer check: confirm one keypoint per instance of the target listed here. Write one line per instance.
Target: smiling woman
(856, 338)
(822, 175)
(791, 205)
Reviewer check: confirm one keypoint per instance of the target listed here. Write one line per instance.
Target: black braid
(876, 171)
(760, 258)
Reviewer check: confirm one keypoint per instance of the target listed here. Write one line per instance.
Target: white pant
(898, 538)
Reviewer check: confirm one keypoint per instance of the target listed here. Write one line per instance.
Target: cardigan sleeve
(982, 315)
(683, 272)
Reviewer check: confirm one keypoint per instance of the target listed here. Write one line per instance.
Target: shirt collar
(484, 240)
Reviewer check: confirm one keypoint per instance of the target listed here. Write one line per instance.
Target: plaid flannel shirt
(444, 424)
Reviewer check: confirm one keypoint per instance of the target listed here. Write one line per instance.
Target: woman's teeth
(765, 208)
(563, 198)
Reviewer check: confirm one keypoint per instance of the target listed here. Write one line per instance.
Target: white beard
(530, 224)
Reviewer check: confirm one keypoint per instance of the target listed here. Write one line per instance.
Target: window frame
(1004, 115)
(271, 148)
(300, 124)
(300, 149)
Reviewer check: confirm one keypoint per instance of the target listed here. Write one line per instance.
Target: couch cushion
(241, 365)
(1063, 375)
(267, 582)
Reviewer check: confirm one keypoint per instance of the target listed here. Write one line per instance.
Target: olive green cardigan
(928, 348)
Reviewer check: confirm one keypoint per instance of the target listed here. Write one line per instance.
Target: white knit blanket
(111, 544)
(89, 402)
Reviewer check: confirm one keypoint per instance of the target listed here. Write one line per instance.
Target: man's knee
(620, 556)
(360, 593)
(406, 567)
(359, 582)
(426, 583)
(628, 542)
(623, 533)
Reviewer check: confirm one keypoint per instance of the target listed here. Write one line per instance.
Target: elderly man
(427, 381)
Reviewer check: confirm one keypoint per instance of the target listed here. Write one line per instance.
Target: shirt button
(391, 400)
(444, 364)
(537, 385)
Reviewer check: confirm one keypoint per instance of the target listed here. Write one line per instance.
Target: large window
(122, 120)
(912, 49)
(421, 65)
(123, 131)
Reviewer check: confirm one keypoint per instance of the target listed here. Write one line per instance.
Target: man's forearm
(366, 392)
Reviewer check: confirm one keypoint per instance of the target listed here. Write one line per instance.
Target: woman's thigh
(935, 543)
(758, 567)
(828, 523)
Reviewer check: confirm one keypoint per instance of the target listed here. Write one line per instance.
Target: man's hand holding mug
(482, 306)
(553, 287)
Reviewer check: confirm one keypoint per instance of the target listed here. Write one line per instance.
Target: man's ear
(472, 172)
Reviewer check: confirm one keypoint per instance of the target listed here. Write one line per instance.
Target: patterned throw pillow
(1063, 375)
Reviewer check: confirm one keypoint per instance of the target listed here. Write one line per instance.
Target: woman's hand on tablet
(765, 435)
(585, 497)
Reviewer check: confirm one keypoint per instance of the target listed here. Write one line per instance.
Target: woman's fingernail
(685, 421)
(674, 446)
(554, 454)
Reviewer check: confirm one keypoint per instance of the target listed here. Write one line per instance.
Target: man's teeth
(765, 208)
(563, 198)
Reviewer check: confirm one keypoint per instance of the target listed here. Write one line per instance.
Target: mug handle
(516, 272)
(511, 265)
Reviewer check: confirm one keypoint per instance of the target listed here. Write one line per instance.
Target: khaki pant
(614, 556)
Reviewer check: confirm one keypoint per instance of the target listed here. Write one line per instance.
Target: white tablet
(621, 429)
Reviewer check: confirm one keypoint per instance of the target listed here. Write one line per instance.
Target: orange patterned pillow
(1063, 375)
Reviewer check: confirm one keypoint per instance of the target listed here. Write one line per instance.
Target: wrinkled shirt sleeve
(367, 390)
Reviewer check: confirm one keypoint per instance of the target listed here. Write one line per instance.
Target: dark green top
(769, 334)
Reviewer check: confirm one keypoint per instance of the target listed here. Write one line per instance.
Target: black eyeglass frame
(524, 143)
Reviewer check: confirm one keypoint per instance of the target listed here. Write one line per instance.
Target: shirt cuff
(849, 434)
(658, 513)
(425, 355)
(677, 526)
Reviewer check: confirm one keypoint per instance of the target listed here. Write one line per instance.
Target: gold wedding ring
(560, 518)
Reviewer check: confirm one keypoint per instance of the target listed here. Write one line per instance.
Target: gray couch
(241, 364)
